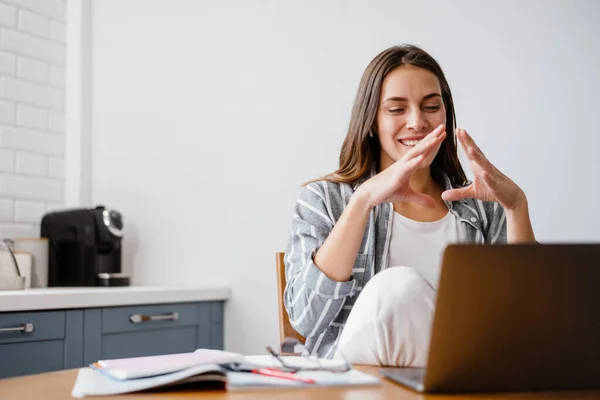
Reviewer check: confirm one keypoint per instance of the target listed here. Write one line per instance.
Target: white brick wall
(8, 15)
(32, 117)
(7, 210)
(28, 68)
(32, 113)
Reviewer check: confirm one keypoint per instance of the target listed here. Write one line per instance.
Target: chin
(426, 163)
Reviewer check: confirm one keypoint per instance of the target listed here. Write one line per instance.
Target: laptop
(518, 317)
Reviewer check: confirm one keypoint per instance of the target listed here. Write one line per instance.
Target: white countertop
(86, 297)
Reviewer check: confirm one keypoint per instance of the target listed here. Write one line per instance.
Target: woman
(398, 198)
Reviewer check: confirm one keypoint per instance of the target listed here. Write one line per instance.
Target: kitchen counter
(87, 297)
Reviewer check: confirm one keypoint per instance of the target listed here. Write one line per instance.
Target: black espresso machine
(84, 247)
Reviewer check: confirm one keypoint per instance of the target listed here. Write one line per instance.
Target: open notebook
(143, 367)
(94, 382)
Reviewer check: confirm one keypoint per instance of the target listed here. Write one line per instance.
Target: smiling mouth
(409, 143)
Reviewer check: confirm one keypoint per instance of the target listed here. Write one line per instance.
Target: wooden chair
(285, 328)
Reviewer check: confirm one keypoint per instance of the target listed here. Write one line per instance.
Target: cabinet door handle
(139, 318)
(26, 328)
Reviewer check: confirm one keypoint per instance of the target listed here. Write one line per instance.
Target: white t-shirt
(420, 245)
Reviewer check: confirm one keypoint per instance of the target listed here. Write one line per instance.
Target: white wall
(78, 148)
(32, 113)
(208, 115)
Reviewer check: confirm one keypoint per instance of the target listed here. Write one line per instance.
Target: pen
(280, 374)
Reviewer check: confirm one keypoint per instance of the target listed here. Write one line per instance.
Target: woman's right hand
(392, 184)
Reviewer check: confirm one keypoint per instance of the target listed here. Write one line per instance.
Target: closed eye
(432, 108)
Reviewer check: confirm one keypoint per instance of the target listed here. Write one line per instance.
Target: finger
(428, 143)
(421, 149)
(458, 194)
(468, 139)
(476, 168)
(477, 156)
(461, 140)
(482, 170)
(465, 141)
(402, 169)
(489, 178)
(412, 164)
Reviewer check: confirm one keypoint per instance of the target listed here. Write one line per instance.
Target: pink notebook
(141, 367)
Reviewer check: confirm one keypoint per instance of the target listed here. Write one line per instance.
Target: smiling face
(410, 108)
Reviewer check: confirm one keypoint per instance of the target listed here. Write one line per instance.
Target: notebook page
(138, 367)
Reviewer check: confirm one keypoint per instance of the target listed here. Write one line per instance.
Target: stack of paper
(142, 367)
(97, 381)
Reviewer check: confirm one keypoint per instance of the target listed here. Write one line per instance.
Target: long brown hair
(359, 150)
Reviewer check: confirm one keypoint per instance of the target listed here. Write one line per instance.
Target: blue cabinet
(35, 342)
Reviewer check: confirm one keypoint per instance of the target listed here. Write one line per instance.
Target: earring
(370, 133)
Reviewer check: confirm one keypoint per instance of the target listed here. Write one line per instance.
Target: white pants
(389, 324)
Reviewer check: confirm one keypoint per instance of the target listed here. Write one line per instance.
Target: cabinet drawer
(47, 325)
(31, 358)
(118, 319)
(149, 342)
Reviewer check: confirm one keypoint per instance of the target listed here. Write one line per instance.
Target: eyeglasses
(306, 362)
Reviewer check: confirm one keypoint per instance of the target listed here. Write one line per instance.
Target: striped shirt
(318, 306)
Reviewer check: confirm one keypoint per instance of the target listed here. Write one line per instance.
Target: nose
(416, 120)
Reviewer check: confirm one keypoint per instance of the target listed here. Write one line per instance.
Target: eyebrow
(429, 96)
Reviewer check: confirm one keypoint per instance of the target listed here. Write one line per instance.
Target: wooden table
(58, 385)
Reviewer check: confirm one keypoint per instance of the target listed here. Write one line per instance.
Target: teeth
(409, 142)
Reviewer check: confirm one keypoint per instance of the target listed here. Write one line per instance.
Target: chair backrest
(285, 328)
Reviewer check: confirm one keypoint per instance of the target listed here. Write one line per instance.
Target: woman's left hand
(489, 184)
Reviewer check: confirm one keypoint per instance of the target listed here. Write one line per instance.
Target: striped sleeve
(312, 300)
(496, 230)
